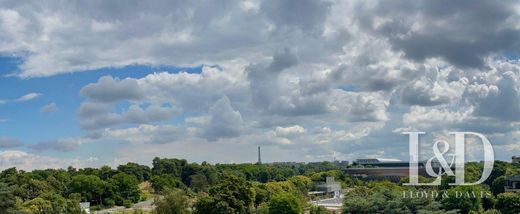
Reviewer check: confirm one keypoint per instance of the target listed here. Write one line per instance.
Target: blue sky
(25, 120)
(90, 83)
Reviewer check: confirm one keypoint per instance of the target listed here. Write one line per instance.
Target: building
(512, 184)
(370, 161)
(330, 186)
(337, 162)
(515, 159)
(386, 169)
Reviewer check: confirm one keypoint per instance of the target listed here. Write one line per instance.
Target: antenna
(259, 156)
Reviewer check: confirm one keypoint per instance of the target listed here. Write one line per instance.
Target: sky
(92, 83)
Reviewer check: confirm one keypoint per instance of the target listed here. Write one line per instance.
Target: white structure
(85, 206)
(375, 160)
(330, 186)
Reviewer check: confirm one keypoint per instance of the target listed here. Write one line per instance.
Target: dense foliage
(182, 187)
(230, 187)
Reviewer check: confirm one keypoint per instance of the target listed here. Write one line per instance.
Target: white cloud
(101, 115)
(53, 39)
(223, 121)
(28, 97)
(24, 98)
(344, 77)
(49, 108)
(422, 117)
(289, 131)
(145, 133)
(108, 89)
(28, 161)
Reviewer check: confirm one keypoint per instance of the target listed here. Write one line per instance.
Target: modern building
(515, 159)
(329, 186)
(370, 161)
(512, 184)
(386, 169)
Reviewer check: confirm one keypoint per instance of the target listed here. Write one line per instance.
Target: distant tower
(259, 156)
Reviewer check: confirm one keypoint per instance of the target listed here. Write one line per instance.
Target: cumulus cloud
(222, 121)
(428, 92)
(460, 34)
(109, 89)
(312, 77)
(289, 131)
(145, 133)
(101, 115)
(182, 33)
(500, 100)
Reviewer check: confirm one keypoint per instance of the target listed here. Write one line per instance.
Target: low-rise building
(512, 184)
(515, 159)
(330, 186)
(386, 169)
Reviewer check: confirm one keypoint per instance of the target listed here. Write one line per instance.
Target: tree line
(182, 187)
(61, 190)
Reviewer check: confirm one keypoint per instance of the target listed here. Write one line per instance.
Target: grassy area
(147, 192)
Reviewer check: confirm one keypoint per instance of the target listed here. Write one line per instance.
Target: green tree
(126, 189)
(285, 203)
(459, 199)
(172, 167)
(52, 203)
(173, 202)
(263, 208)
(508, 203)
(386, 197)
(7, 199)
(90, 187)
(162, 182)
(302, 183)
(231, 195)
(140, 172)
(498, 184)
(318, 210)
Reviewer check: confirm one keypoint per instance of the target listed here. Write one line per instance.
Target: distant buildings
(512, 184)
(384, 169)
(368, 161)
(515, 159)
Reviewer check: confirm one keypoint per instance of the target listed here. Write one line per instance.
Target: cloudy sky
(89, 83)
